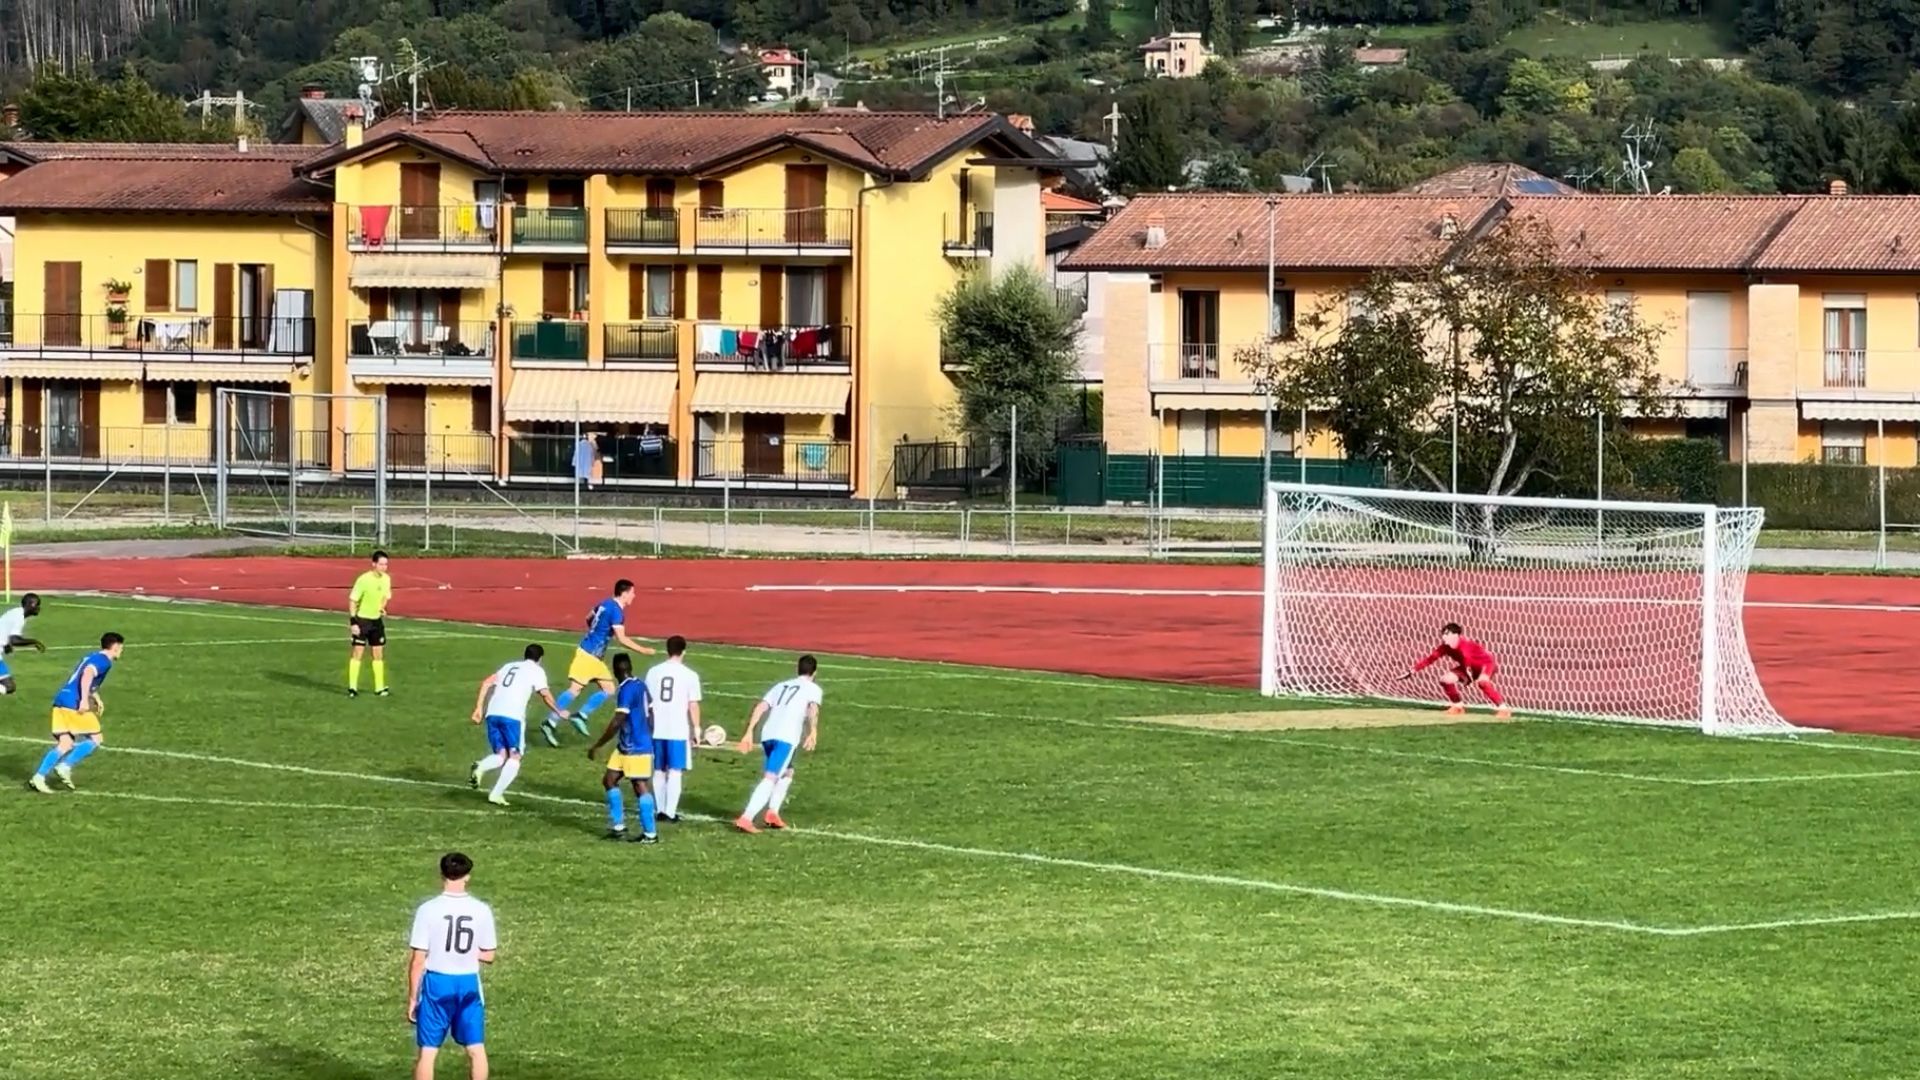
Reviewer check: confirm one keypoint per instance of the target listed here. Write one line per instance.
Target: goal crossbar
(1516, 501)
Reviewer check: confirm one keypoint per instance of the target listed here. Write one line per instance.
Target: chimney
(313, 92)
(241, 144)
(1156, 232)
(1449, 226)
(9, 115)
(1838, 187)
(356, 125)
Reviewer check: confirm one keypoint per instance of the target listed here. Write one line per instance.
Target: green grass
(1553, 35)
(155, 931)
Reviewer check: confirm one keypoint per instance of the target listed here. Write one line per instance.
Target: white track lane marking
(1061, 862)
(250, 804)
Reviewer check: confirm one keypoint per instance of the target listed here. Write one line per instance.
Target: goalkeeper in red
(1471, 663)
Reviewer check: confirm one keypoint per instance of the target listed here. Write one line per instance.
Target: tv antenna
(1641, 142)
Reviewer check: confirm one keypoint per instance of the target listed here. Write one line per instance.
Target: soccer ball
(715, 735)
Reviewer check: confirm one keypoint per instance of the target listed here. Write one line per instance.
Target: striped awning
(422, 270)
(757, 392)
(220, 373)
(77, 368)
(1860, 410)
(1210, 402)
(601, 397)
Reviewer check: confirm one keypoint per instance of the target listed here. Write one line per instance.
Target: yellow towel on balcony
(467, 221)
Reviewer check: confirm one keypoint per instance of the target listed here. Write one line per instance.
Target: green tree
(1698, 173)
(1152, 154)
(1515, 342)
(1014, 341)
(1099, 30)
(668, 62)
(77, 106)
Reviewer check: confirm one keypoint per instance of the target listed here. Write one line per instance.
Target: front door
(419, 201)
(256, 305)
(406, 427)
(62, 325)
(556, 290)
(63, 430)
(1199, 334)
(765, 450)
(1709, 338)
(806, 204)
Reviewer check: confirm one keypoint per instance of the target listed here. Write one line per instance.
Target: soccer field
(993, 874)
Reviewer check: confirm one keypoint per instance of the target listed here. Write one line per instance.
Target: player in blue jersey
(76, 715)
(606, 623)
(633, 753)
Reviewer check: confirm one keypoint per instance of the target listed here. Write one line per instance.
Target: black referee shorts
(369, 631)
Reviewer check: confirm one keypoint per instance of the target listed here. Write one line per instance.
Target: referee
(367, 622)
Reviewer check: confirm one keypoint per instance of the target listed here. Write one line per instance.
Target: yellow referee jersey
(371, 591)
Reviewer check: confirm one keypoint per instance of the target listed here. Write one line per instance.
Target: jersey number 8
(459, 933)
(666, 688)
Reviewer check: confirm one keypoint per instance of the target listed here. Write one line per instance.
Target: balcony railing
(969, 234)
(400, 338)
(623, 457)
(652, 227)
(1197, 360)
(1846, 368)
(550, 339)
(467, 226)
(559, 226)
(772, 230)
(774, 348)
(774, 461)
(451, 455)
(181, 336)
(643, 341)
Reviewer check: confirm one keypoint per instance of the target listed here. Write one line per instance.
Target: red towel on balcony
(373, 224)
(804, 342)
(749, 341)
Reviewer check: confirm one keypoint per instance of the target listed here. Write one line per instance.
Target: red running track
(1835, 652)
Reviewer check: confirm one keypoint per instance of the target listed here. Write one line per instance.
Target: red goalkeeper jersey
(1468, 654)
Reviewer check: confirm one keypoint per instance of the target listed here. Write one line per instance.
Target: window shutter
(713, 197)
(376, 305)
(636, 292)
(159, 275)
(482, 409)
(772, 307)
(834, 297)
(707, 302)
(679, 292)
(153, 403)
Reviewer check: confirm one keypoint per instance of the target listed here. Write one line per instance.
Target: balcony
(557, 228)
(653, 228)
(159, 338)
(969, 235)
(381, 349)
(1845, 369)
(1201, 367)
(455, 456)
(775, 462)
(392, 227)
(720, 346)
(560, 340)
(645, 341)
(651, 459)
(820, 231)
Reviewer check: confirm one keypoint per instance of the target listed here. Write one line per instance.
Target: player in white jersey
(787, 708)
(504, 696)
(453, 934)
(13, 630)
(674, 689)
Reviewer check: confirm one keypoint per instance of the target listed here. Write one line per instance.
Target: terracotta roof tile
(1660, 232)
(1489, 178)
(57, 151)
(1054, 202)
(679, 142)
(238, 185)
(1223, 231)
(1848, 233)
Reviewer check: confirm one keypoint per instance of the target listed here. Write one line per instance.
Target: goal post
(1626, 611)
(289, 464)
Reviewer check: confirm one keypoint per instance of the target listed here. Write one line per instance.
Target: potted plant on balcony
(118, 291)
(117, 324)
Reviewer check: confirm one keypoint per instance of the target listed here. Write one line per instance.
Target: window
(486, 191)
(713, 198)
(1843, 443)
(64, 438)
(1619, 308)
(186, 403)
(153, 408)
(566, 193)
(162, 402)
(580, 288)
(659, 292)
(186, 285)
(807, 297)
(516, 189)
(1358, 306)
(1282, 328)
(482, 409)
(842, 428)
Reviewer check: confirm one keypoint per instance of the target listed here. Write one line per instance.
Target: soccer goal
(1611, 610)
(295, 465)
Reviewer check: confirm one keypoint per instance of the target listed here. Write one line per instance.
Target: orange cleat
(1503, 713)
(774, 822)
(744, 824)
(1456, 710)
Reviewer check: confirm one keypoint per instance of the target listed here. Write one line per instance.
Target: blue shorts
(779, 755)
(5, 671)
(505, 733)
(450, 1004)
(669, 754)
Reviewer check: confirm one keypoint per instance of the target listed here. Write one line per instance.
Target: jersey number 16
(459, 933)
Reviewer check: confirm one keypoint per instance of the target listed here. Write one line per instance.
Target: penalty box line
(1036, 858)
(1145, 724)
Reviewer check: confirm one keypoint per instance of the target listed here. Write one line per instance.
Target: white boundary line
(249, 804)
(1054, 861)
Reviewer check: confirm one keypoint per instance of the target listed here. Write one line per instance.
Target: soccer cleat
(744, 824)
(647, 838)
(579, 724)
(671, 819)
(497, 800)
(351, 692)
(473, 776)
(1503, 713)
(39, 784)
(1456, 710)
(618, 832)
(65, 773)
(774, 821)
(383, 692)
(547, 733)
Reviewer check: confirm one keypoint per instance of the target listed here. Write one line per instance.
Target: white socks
(761, 794)
(780, 791)
(489, 763)
(507, 772)
(660, 803)
(673, 793)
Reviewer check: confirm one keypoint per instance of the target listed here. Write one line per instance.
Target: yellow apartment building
(1791, 324)
(146, 276)
(744, 299)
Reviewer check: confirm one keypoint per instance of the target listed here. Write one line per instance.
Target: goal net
(299, 465)
(1612, 610)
